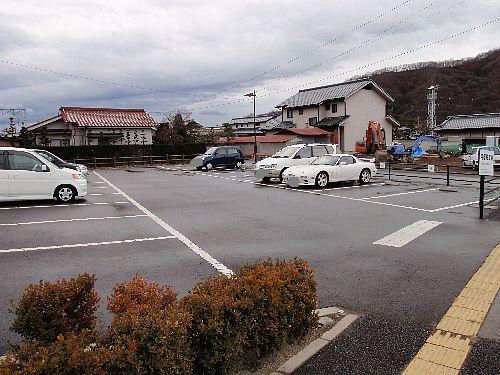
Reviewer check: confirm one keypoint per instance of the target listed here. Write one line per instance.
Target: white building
(76, 126)
(344, 109)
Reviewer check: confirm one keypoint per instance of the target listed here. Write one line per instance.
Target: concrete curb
(393, 183)
(315, 346)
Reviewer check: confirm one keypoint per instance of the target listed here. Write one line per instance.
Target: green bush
(150, 341)
(49, 309)
(78, 353)
(137, 294)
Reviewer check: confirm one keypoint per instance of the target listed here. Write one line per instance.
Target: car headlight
(77, 176)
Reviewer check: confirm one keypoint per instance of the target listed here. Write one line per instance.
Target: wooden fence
(134, 161)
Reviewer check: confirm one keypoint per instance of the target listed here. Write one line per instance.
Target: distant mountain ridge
(466, 86)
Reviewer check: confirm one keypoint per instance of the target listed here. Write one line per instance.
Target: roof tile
(107, 117)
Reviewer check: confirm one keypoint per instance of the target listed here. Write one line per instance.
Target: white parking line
(405, 193)
(408, 233)
(70, 220)
(97, 194)
(61, 205)
(195, 248)
(83, 244)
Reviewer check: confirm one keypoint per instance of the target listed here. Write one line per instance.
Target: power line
(364, 66)
(372, 40)
(260, 75)
(69, 75)
(376, 38)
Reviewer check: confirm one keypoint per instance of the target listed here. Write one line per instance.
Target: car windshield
(211, 151)
(326, 160)
(50, 157)
(287, 152)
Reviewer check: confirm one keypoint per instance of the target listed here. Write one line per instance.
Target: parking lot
(397, 253)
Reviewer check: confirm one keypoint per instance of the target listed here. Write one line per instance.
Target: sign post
(485, 169)
(486, 162)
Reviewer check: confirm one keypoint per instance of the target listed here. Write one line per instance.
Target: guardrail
(140, 160)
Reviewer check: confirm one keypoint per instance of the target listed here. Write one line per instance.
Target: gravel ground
(483, 359)
(370, 346)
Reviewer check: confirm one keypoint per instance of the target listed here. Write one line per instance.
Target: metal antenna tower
(431, 107)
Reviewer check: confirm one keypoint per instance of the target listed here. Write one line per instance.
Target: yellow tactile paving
(442, 356)
(467, 314)
(472, 304)
(420, 367)
(449, 340)
(482, 286)
(460, 326)
(482, 295)
(446, 349)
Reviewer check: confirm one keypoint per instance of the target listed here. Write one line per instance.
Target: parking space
(398, 252)
(412, 193)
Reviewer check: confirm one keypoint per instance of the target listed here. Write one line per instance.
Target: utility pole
(252, 94)
(431, 107)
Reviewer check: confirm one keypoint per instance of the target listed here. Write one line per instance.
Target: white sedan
(330, 168)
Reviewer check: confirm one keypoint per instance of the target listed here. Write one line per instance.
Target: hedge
(86, 152)
(47, 310)
(222, 321)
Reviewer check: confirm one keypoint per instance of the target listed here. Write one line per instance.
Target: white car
(330, 168)
(61, 163)
(290, 156)
(25, 175)
(471, 160)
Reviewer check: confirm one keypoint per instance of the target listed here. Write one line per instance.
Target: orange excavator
(373, 141)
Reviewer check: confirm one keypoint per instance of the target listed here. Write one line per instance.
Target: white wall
(362, 107)
(302, 121)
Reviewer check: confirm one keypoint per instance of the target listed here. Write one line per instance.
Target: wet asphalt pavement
(401, 292)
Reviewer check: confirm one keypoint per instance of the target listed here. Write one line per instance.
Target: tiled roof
(107, 117)
(249, 119)
(306, 131)
(332, 121)
(318, 95)
(276, 123)
(487, 120)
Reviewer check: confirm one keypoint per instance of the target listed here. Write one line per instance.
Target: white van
(25, 175)
(299, 154)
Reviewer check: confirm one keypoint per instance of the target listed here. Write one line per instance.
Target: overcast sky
(166, 54)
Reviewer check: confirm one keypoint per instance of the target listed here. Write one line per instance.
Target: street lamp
(252, 94)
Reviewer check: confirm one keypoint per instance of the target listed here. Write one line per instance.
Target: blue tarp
(419, 151)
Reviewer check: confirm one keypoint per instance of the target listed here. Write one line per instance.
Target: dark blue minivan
(219, 156)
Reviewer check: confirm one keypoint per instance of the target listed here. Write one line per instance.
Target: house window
(289, 113)
(327, 106)
(313, 121)
(334, 107)
(301, 111)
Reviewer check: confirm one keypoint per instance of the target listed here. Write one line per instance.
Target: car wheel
(322, 179)
(266, 179)
(209, 166)
(238, 165)
(365, 176)
(65, 193)
(281, 174)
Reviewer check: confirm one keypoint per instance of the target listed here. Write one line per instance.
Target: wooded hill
(466, 86)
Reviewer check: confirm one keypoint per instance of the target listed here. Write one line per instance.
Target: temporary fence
(489, 188)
